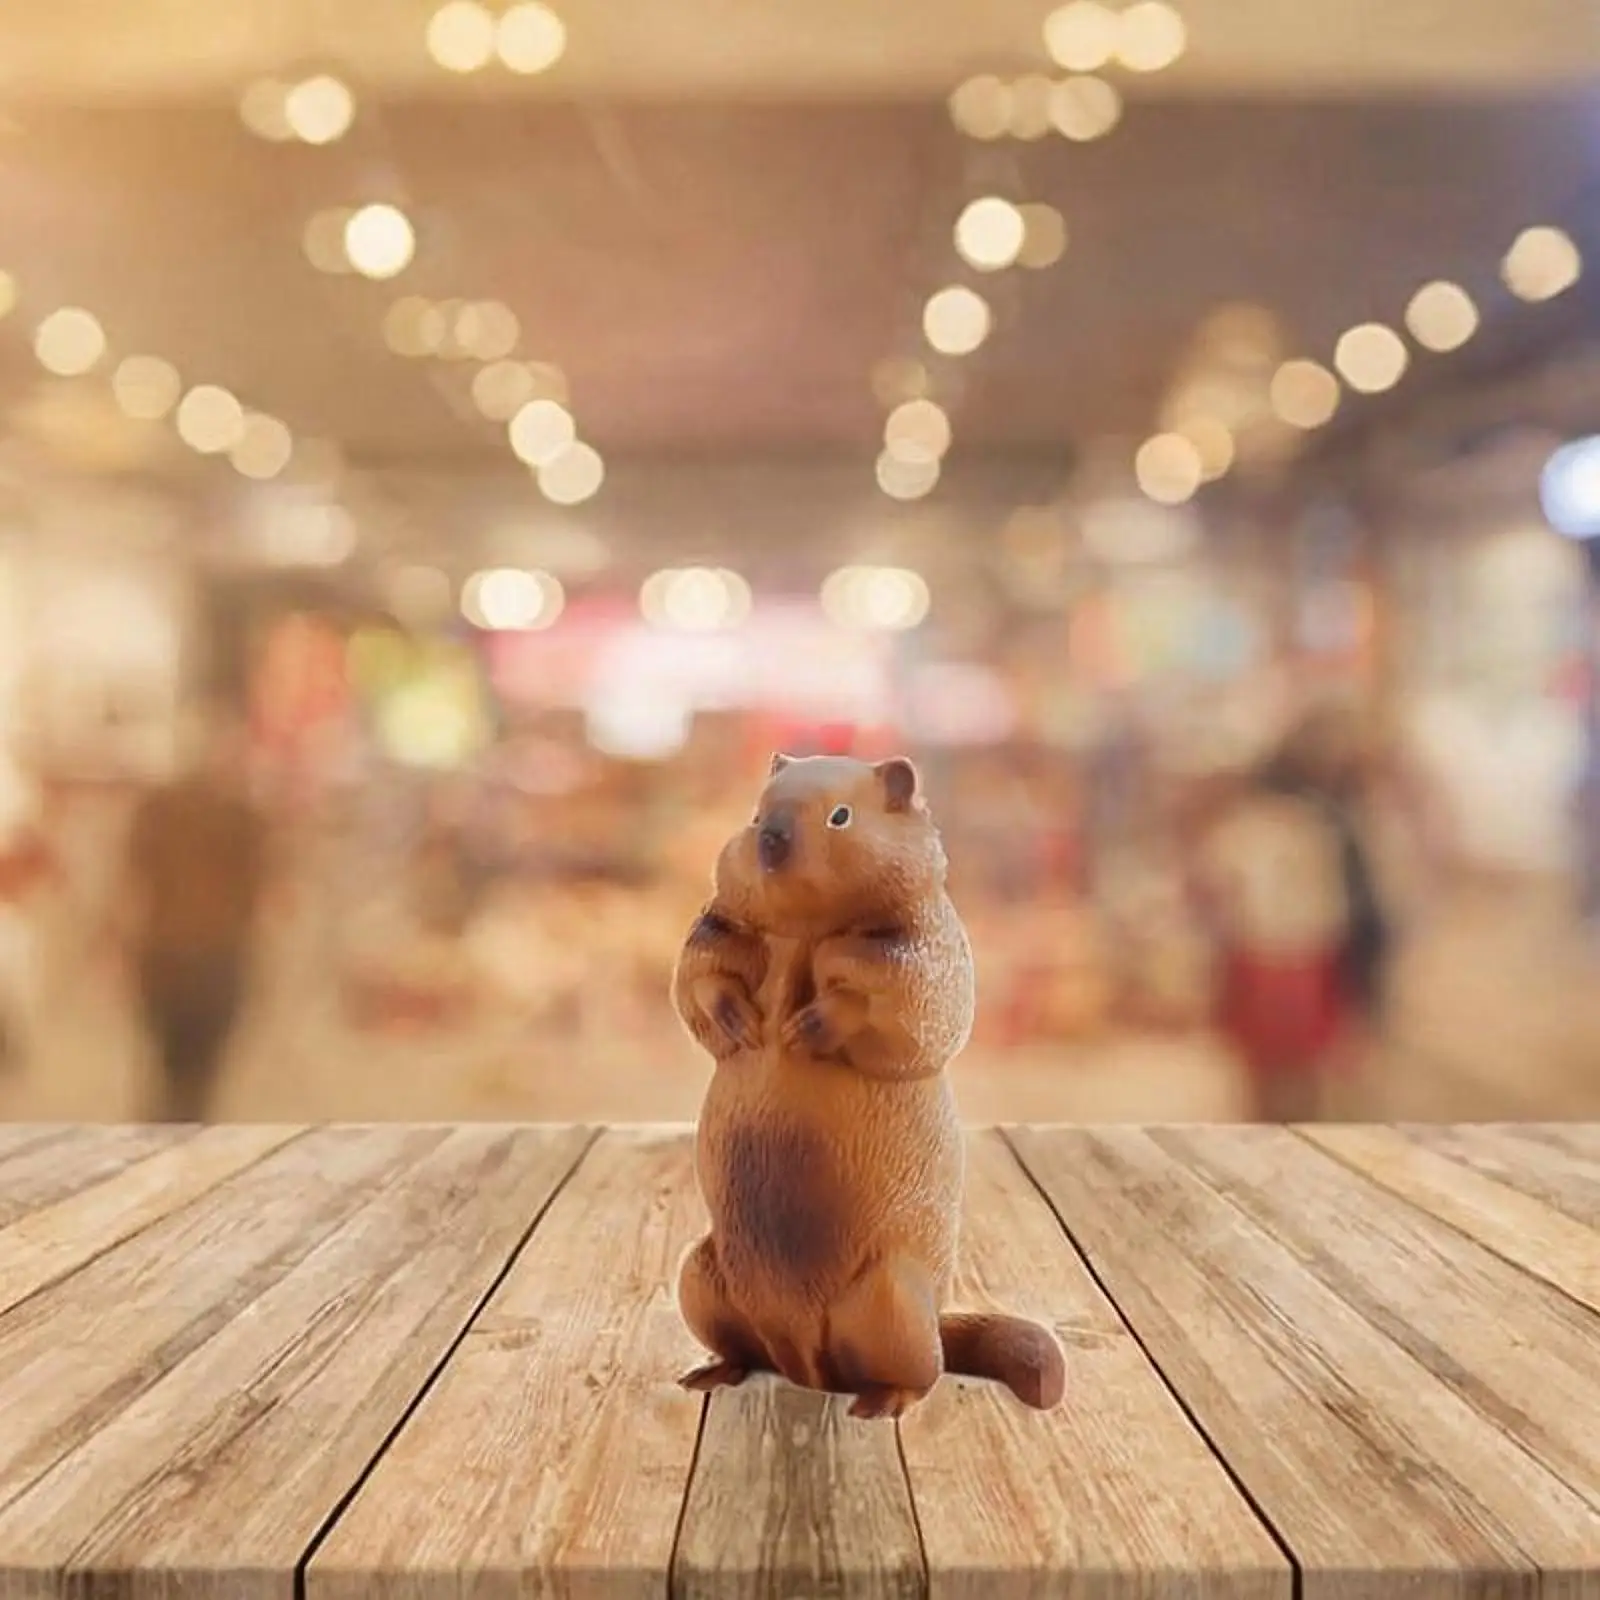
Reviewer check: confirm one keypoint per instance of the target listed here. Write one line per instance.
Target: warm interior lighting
(1541, 263)
(210, 420)
(1084, 108)
(501, 389)
(1150, 36)
(540, 430)
(1304, 394)
(486, 330)
(903, 477)
(990, 233)
(891, 599)
(956, 320)
(572, 475)
(69, 342)
(264, 447)
(146, 387)
(1044, 239)
(379, 241)
(1168, 468)
(319, 110)
(1081, 36)
(1213, 444)
(530, 38)
(461, 36)
(1370, 357)
(981, 107)
(1441, 316)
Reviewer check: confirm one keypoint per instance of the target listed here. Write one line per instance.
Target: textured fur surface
(831, 980)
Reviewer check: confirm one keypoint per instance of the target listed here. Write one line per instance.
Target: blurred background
(446, 449)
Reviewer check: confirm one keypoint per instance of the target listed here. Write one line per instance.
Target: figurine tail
(1022, 1355)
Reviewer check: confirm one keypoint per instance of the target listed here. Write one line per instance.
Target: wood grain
(199, 1400)
(552, 1456)
(1114, 1494)
(790, 1496)
(48, 1243)
(1536, 1237)
(1379, 1477)
(41, 1172)
(16, 1137)
(1558, 1178)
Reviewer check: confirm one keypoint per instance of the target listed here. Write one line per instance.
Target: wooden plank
(553, 1453)
(224, 1469)
(1536, 1237)
(1115, 1493)
(1557, 1178)
(44, 1245)
(1378, 1477)
(42, 1172)
(17, 1137)
(790, 1496)
(1524, 1356)
(1580, 1139)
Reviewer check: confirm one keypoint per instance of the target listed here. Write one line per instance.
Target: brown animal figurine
(831, 979)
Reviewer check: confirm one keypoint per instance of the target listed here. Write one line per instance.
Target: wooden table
(426, 1361)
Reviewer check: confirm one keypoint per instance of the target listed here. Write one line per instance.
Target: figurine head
(833, 841)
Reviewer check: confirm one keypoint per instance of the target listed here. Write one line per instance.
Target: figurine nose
(775, 841)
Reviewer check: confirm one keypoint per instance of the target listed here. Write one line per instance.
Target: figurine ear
(778, 763)
(900, 783)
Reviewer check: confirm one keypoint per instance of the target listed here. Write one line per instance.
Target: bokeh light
(1168, 468)
(210, 420)
(981, 107)
(319, 110)
(461, 36)
(917, 430)
(889, 599)
(573, 474)
(264, 447)
(1084, 108)
(1441, 316)
(323, 240)
(1150, 36)
(1044, 239)
(956, 320)
(695, 599)
(1213, 443)
(379, 241)
(540, 430)
(263, 109)
(1304, 393)
(989, 233)
(1370, 357)
(511, 600)
(530, 38)
(1032, 97)
(1541, 263)
(903, 477)
(69, 342)
(146, 387)
(1081, 36)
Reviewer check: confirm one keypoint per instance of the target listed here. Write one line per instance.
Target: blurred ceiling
(177, 49)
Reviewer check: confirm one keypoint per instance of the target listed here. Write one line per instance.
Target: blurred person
(196, 871)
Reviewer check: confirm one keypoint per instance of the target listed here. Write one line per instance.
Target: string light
(981, 107)
(695, 599)
(917, 431)
(540, 430)
(486, 330)
(1441, 316)
(1044, 236)
(461, 36)
(990, 233)
(1304, 394)
(319, 110)
(904, 477)
(1213, 444)
(210, 420)
(1150, 36)
(1168, 468)
(1081, 36)
(146, 387)
(1031, 97)
(572, 475)
(1084, 108)
(1541, 263)
(957, 320)
(379, 241)
(69, 342)
(508, 599)
(264, 447)
(888, 599)
(530, 38)
(1370, 357)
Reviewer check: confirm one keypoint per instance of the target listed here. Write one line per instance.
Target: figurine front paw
(811, 1029)
(736, 1020)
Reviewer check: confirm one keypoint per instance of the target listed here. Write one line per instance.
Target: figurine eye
(839, 817)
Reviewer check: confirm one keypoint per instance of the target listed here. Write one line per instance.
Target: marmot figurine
(831, 979)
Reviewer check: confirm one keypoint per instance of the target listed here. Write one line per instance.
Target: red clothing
(1283, 1014)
